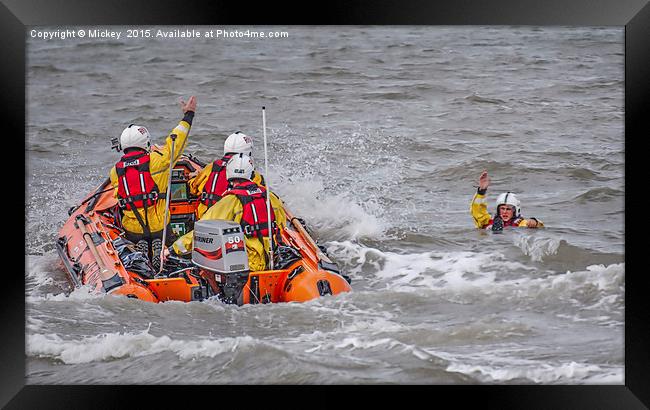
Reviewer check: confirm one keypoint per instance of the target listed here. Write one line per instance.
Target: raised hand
(483, 181)
(190, 105)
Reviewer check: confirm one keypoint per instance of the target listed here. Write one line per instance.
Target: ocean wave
(117, 345)
(391, 96)
(601, 194)
(533, 371)
(312, 93)
(80, 294)
(45, 69)
(156, 59)
(99, 76)
(584, 174)
(432, 270)
(44, 275)
(336, 216)
(471, 276)
(326, 71)
(164, 94)
(480, 99)
(593, 292)
(94, 44)
(538, 248)
(595, 83)
(556, 253)
(484, 329)
(470, 170)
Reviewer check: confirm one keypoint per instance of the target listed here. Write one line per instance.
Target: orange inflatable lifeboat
(94, 252)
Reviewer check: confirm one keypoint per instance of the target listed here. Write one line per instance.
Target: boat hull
(90, 258)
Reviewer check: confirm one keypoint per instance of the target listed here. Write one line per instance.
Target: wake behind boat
(95, 253)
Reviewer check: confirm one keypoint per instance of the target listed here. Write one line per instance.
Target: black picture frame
(16, 16)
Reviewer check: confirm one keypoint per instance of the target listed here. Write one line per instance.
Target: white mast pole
(268, 191)
(167, 199)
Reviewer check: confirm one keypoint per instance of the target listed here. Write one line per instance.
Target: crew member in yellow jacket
(210, 184)
(140, 180)
(508, 210)
(244, 203)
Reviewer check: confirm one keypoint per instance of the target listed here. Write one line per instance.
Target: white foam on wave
(431, 270)
(112, 346)
(500, 365)
(610, 277)
(39, 269)
(606, 285)
(352, 343)
(490, 274)
(537, 248)
(82, 293)
(607, 277)
(33, 324)
(361, 336)
(340, 214)
(543, 373)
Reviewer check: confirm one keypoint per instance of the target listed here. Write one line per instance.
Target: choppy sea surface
(377, 136)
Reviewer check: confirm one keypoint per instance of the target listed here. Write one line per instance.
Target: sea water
(377, 137)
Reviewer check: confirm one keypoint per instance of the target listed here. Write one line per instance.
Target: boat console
(182, 208)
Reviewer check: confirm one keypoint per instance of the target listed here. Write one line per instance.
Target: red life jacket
(217, 182)
(136, 188)
(254, 219)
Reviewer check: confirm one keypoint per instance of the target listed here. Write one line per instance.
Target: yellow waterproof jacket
(229, 208)
(159, 169)
(482, 218)
(197, 184)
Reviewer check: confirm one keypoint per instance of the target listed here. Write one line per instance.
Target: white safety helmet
(240, 166)
(238, 143)
(135, 136)
(508, 198)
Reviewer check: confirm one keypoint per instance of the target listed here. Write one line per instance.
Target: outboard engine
(220, 252)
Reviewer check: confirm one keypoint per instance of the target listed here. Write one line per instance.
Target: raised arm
(478, 207)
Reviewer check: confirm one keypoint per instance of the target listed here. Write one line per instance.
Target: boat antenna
(268, 191)
(169, 191)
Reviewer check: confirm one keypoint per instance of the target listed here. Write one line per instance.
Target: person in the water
(508, 210)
